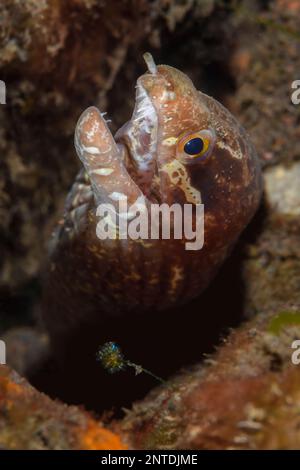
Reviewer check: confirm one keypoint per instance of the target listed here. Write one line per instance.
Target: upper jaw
(139, 136)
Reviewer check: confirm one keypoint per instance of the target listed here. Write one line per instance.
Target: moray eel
(180, 146)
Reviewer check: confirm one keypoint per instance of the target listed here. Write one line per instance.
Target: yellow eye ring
(197, 145)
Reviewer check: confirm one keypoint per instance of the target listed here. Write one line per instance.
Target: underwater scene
(149, 226)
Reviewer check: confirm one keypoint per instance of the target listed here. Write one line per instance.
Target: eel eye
(196, 146)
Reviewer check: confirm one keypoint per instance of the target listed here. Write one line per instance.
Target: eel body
(179, 147)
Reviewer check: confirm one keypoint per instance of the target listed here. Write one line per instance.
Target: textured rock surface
(30, 420)
(25, 348)
(247, 394)
(271, 264)
(272, 270)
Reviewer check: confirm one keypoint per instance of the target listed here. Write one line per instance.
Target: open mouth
(139, 137)
(131, 155)
(140, 133)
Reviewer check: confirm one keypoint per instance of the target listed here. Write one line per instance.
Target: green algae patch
(282, 320)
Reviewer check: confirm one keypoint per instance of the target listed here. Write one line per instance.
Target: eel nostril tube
(150, 62)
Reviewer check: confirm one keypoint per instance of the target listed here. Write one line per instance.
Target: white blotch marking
(103, 171)
(179, 177)
(91, 150)
(170, 141)
(115, 196)
(236, 154)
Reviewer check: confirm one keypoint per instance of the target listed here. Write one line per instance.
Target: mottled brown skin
(89, 278)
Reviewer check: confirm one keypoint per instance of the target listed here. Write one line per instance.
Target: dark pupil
(194, 146)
